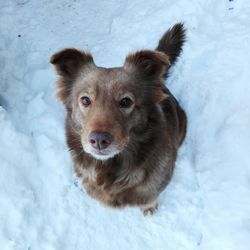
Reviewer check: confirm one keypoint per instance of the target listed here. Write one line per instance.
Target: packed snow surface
(206, 205)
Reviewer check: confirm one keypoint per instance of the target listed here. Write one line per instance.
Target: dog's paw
(149, 209)
(116, 203)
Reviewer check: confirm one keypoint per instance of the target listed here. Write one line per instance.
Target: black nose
(100, 140)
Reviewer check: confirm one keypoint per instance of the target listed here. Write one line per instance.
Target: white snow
(207, 204)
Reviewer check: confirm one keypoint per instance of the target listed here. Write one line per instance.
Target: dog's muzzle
(100, 145)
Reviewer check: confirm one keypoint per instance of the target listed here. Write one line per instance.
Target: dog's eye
(85, 101)
(125, 102)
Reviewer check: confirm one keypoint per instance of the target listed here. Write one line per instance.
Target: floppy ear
(147, 62)
(67, 63)
(159, 95)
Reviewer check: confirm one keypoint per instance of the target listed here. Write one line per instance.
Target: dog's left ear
(159, 95)
(147, 63)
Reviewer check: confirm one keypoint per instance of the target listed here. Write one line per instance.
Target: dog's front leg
(150, 208)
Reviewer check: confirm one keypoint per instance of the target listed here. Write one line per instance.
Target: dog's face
(108, 106)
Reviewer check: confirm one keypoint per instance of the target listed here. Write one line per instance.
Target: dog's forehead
(104, 78)
(112, 76)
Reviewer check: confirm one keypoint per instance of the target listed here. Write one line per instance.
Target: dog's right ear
(67, 63)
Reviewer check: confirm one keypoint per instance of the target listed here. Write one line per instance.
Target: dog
(123, 125)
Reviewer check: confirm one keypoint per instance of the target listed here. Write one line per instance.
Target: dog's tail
(172, 41)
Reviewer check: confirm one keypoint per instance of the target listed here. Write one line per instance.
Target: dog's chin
(102, 155)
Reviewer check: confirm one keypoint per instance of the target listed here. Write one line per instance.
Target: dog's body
(123, 125)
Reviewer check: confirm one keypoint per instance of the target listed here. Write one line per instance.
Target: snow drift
(206, 206)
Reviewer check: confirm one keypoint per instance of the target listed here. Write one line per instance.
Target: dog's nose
(100, 140)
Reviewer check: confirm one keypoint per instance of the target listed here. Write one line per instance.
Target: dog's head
(109, 106)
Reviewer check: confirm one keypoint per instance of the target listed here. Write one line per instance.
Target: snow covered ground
(207, 204)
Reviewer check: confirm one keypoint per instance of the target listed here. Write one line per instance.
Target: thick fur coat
(123, 125)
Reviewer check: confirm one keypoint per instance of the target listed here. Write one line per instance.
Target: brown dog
(123, 125)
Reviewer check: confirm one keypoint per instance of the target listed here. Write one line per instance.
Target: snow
(206, 205)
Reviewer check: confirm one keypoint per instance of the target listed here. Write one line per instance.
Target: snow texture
(206, 205)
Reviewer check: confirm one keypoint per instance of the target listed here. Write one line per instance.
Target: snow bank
(206, 206)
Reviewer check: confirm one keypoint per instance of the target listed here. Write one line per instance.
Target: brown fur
(146, 135)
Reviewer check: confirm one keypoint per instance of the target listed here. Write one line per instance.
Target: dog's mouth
(101, 154)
